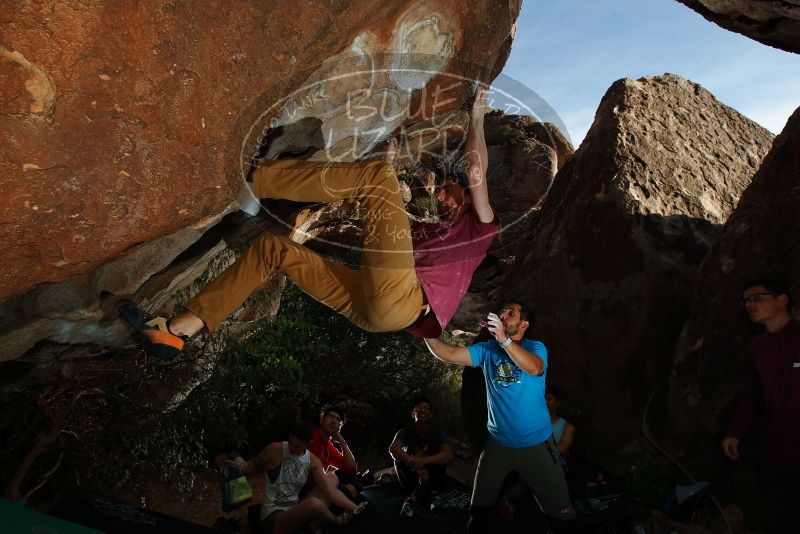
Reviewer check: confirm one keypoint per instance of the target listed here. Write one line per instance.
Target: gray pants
(539, 466)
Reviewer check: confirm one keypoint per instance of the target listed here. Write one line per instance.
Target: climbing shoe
(158, 340)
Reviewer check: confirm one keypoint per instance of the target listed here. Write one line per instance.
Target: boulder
(113, 139)
(615, 250)
(760, 240)
(775, 23)
(519, 177)
(503, 129)
(143, 204)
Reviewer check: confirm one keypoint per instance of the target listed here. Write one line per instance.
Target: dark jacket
(772, 394)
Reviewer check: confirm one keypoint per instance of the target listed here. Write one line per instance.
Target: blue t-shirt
(518, 415)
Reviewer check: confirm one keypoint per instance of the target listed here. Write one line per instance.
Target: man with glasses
(342, 462)
(771, 395)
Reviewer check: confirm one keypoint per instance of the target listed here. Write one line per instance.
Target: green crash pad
(15, 519)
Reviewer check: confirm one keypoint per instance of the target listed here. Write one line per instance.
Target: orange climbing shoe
(158, 340)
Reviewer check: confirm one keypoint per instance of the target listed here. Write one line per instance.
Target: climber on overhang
(412, 276)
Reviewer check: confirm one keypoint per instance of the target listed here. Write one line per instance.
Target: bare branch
(58, 420)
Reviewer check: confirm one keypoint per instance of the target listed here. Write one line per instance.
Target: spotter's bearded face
(511, 317)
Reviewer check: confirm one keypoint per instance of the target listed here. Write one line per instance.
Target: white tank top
(285, 491)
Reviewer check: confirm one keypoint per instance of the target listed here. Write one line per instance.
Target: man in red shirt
(343, 474)
(412, 276)
(771, 396)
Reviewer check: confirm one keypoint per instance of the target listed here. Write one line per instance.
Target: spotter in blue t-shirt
(518, 415)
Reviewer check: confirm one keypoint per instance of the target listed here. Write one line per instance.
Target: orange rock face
(126, 122)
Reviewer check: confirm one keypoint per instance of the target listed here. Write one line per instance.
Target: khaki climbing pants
(382, 296)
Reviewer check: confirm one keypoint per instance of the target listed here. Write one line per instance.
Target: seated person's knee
(350, 490)
(317, 507)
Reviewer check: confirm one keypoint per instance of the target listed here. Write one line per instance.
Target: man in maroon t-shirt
(411, 277)
(447, 252)
(772, 395)
(343, 462)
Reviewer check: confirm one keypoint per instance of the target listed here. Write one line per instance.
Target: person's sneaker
(158, 340)
(407, 510)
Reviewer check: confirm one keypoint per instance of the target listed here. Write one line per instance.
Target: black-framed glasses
(755, 297)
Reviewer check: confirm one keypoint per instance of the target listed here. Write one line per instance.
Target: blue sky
(571, 51)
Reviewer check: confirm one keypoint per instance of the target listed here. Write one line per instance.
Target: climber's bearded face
(452, 199)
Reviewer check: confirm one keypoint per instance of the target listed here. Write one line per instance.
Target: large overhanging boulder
(122, 150)
(760, 240)
(616, 248)
(112, 138)
(774, 23)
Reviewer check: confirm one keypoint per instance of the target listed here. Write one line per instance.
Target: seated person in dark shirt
(421, 453)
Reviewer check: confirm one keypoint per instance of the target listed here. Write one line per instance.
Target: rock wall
(610, 267)
(774, 23)
(122, 149)
(117, 134)
(760, 240)
(160, 275)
